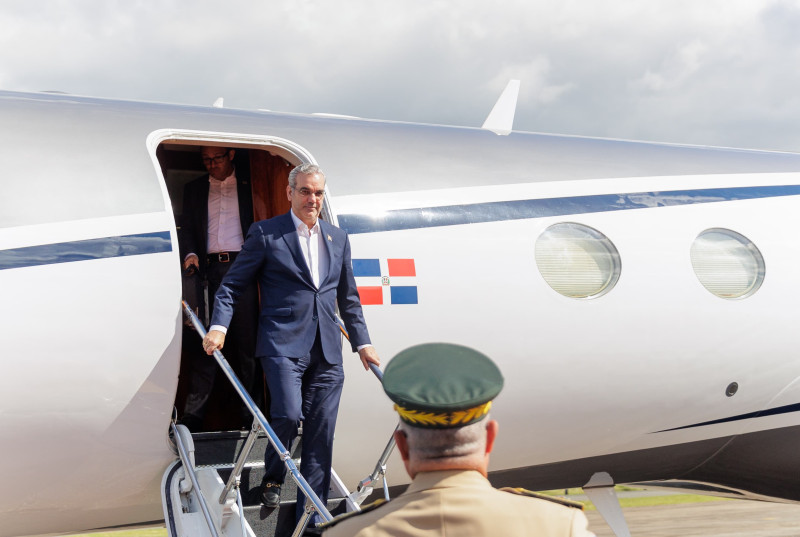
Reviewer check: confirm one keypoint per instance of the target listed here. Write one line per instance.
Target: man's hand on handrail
(368, 356)
(214, 341)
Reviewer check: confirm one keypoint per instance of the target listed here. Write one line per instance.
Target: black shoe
(271, 496)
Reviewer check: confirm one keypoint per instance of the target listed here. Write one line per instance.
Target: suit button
(314, 318)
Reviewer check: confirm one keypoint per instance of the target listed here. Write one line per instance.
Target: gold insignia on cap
(457, 418)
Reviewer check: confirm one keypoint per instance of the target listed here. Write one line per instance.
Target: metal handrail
(241, 507)
(286, 457)
(375, 369)
(189, 469)
(241, 461)
(365, 486)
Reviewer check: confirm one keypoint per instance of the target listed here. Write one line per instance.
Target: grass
(674, 499)
(641, 501)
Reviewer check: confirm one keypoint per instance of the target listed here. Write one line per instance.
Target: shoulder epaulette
(554, 499)
(345, 516)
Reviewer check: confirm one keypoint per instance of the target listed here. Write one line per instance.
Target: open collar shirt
(224, 224)
(314, 251)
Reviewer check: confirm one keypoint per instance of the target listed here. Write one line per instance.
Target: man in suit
(303, 268)
(443, 393)
(217, 212)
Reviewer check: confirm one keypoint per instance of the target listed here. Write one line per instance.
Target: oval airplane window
(577, 261)
(727, 264)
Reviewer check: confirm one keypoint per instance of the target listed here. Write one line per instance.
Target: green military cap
(442, 385)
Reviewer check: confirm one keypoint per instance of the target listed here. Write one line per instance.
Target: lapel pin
(329, 238)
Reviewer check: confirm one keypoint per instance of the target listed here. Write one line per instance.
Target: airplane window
(727, 264)
(577, 261)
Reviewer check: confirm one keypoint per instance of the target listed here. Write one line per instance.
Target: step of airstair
(219, 449)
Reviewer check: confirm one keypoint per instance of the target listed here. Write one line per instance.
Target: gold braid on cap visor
(450, 419)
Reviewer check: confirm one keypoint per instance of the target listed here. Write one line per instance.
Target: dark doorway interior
(268, 172)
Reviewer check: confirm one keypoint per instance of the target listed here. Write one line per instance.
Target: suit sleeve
(239, 276)
(350, 303)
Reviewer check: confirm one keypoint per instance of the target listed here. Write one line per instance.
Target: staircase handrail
(365, 486)
(188, 468)
(375, 369)
(286, 457)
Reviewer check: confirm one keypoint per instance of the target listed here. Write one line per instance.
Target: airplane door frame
(291, 152)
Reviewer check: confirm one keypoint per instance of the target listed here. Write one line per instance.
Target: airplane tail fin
(501, 118)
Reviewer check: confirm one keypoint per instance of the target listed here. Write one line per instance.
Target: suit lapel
(328, 238)
(292, 241)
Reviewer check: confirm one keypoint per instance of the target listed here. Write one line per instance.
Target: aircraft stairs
(218, 476)
(215, 451)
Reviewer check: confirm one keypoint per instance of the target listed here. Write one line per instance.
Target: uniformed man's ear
(231, 153)
(491, 434)
(401, 440)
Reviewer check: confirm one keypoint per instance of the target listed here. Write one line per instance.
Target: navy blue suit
(299, 341)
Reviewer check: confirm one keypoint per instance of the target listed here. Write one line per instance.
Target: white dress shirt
(313, 247)
(224, 225)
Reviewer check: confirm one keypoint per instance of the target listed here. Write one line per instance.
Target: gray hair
(304, 169)
(442, 444)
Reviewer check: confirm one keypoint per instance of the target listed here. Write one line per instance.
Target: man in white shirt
(217, 212)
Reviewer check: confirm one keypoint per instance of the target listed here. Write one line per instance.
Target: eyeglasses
(219, 159)
(306, 192)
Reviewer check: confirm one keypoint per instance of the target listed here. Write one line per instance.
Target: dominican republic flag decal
(386, 281)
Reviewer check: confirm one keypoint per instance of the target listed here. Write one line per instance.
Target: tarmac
(732, 518)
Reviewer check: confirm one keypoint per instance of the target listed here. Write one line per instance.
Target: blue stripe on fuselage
(66, 252)
(497, 211)
(787, 409)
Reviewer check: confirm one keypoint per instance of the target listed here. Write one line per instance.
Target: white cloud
(539, 88)
(675, 69)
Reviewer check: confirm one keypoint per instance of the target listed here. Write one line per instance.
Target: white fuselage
(90, 273)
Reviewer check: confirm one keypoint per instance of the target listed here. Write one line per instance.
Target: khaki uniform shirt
(462, 503)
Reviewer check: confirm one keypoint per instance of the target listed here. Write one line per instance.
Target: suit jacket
(463, 503)
(292, 308)
(194, 220)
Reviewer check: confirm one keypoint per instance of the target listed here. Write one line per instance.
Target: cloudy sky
(707, 72)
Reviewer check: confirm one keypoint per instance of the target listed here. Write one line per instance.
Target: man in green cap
(443, 394)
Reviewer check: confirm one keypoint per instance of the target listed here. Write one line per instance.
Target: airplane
(640, 298)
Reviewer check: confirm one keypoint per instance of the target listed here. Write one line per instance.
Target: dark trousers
(304, 389)
(239, 350)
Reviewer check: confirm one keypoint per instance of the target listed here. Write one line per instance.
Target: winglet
(501, 118)
(600, 491)
(218, 103)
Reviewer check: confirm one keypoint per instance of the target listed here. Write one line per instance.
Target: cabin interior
(268, 169)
